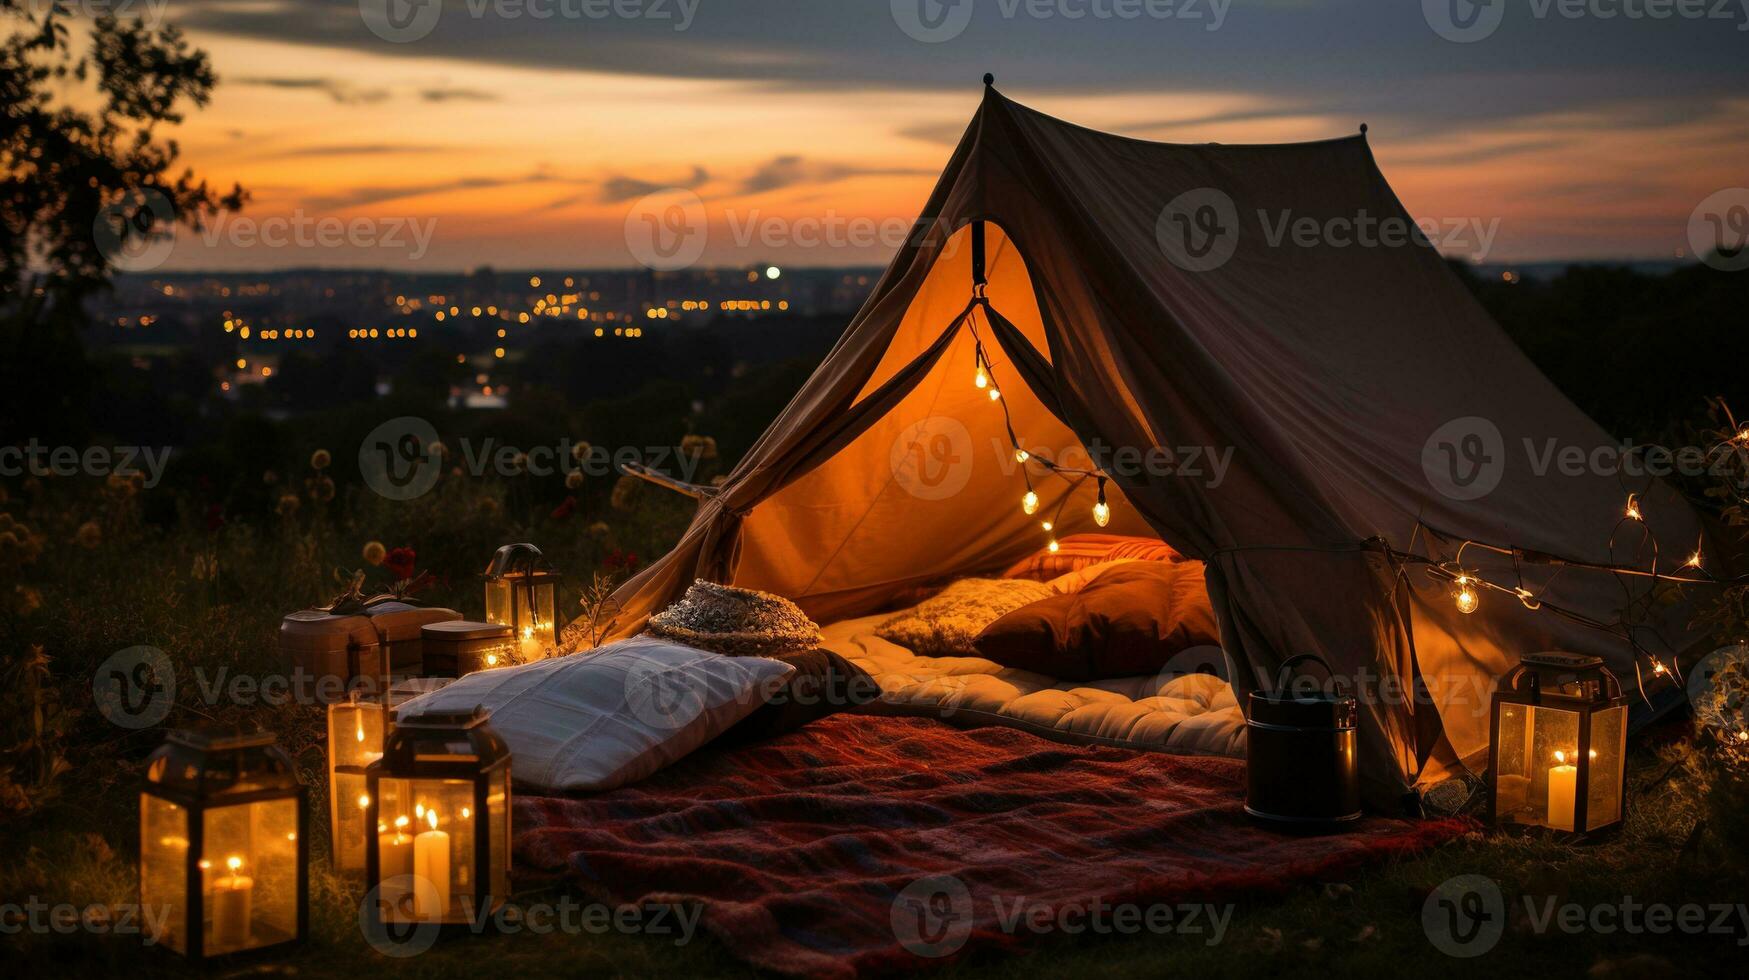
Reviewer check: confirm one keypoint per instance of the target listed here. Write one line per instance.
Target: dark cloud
(621, 188)
(360, 196)
(354, 149)
(340, 91)
(458, 95)
(792, 169)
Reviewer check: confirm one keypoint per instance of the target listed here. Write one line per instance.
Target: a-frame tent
(1338, 379)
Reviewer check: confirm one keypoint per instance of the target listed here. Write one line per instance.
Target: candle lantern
(521, 593)
(224, 843)
(356, 730)
(439, 799)
(1559, 745)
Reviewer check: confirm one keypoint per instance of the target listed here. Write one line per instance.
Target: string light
(1465, 595)
(1029, 503)
(1021, 456)
(1632, 512)
(995, 393)
(1052, 546)
(1047, 525)
(1101, 509)
(982, 378)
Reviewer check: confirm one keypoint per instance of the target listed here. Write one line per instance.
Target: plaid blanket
(863, 845)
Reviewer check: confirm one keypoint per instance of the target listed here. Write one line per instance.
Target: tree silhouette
(88, 187)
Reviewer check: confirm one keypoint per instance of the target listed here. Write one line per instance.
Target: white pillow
(612, 716)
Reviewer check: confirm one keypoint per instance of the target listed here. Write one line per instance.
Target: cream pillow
(946, 624)
(615, 715)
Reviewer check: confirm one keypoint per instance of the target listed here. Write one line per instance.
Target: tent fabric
(1318, 372)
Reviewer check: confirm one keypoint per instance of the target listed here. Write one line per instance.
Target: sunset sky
(523, 139)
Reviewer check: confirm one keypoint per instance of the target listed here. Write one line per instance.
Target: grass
(70, 826)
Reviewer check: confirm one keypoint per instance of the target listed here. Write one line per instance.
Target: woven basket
(735, 622)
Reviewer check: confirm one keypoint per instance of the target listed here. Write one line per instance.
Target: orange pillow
(1129, 621)
(1077, 551)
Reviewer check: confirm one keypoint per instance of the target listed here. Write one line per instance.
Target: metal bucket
(1302, 771)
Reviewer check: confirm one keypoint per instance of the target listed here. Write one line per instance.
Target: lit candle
(395, 850)
(431, 863)
(231, 898)
(1563, 786)
(531, 646)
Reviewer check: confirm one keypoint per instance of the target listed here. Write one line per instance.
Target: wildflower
(215, 517)
(488, 506)
(6, 521)
(270, 478)
(620, 561)
(320, 459)
(27, 599)
(574, 480)
(320, 489)
(89, 535)
(374, 552)
(698, 447)
(565, 509)
(518, 463)
(439, 448)
(599, 530)
(625, 492)
(399, 562)
(288, 505)
(580, 450)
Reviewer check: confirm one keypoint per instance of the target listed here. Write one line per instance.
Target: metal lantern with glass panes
(522, 593)
(224, 843)
(356, 729)
(440, 802)
(1556, 758)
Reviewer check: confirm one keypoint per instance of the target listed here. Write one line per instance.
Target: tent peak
(989, 79)
(1363, 129)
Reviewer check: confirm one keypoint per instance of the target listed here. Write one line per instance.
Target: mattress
(1191, 714)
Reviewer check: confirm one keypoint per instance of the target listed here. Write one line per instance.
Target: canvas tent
(1323, 371)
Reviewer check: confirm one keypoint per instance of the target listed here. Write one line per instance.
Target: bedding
(946, 624)
(613, 716)
(1191, 714)
(1078, 551)
(823, 684)
(1131, 620)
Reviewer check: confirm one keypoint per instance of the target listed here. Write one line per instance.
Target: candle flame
(431, 818)
(1560, 756)
(233, 863)
(361, 729)
(363, 801)
(419, 811)
(466, 813)
(400, 821)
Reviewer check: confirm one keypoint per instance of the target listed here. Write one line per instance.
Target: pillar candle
(1563, 783)
(395, 850)
(231, 898)
(431, 862)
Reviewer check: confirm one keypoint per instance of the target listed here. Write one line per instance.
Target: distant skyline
(496, 136)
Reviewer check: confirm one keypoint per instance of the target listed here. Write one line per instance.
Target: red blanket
(868, 845)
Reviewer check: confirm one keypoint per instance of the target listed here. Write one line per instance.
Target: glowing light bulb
(1466, 597)
(1633, 509)
(995, 394)
(1029, 503)
(982, 378)
(1052, 546)
(364, 801)
(1021, 456)
(1693, 560)
(1102, 513)
(1047, 525)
